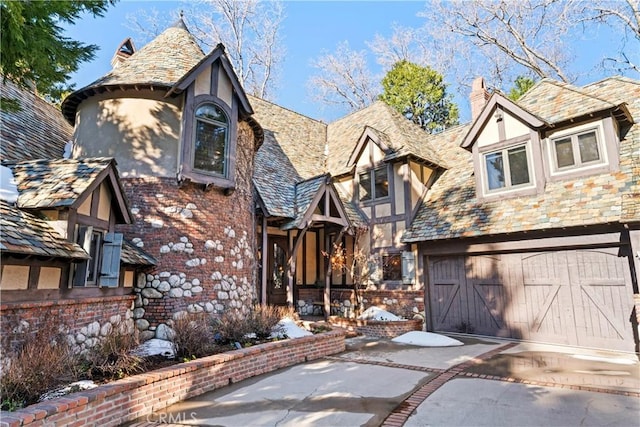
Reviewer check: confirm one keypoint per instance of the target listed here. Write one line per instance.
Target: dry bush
(233, 326)
(43, 362)
(193, 335)
(112, 357)
(264, 318)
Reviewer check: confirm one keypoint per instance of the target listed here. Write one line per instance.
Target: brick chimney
(478, 98)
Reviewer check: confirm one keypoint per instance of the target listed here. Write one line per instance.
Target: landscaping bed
(377, 328)
(140, 395)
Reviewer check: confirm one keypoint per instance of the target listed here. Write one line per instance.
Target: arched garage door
(579, 297)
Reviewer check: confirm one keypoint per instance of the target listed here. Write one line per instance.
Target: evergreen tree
(34, 49)
(420, 94)
(521, 85)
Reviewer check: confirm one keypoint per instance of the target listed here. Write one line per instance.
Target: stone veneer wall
(202, 239)
(84, 320)
(403, 303)
(143, 395)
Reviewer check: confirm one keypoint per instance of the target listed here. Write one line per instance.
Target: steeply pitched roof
(160, 63)
(37, 131)
(556, 102)
(25, 233)
(292, 151)
(403, 136)
(452, 210)
(55, 183)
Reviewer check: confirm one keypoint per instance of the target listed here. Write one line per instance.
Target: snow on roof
(426, 339)
(8, 188)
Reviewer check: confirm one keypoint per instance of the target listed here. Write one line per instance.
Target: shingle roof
(25, 233)
(37, 131)
(133, 255)
(161, 62)
(452, 210)
(402, 136)
(54, 183)
(556, 102)
(304, 194)
(292, 151)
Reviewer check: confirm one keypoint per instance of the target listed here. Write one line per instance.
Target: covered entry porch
(294, 255)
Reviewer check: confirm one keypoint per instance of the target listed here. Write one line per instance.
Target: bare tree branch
(344, 79)
(249, 30)
(528, 33)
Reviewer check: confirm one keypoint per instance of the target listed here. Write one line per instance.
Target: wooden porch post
(292, 264)
(327, 281)
(265, 256)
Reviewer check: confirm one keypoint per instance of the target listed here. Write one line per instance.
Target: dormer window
(577, 150)
(374, 184)
(507, 169)
(210, 140)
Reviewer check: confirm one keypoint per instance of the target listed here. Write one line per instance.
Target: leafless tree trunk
(249, 30)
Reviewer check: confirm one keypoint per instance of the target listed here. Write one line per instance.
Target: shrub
(264, 318)
(45, 360)
(233, 326)
(193, 335)
(112, 357)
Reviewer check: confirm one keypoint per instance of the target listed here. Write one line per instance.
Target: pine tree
(34, 49)
(420, 94)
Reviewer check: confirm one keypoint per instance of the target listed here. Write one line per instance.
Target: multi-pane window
(574, 151)
(374, 184)
(210, 142)
(507, 168)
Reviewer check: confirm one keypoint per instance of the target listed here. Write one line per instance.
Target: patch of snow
(8, 188)
(68, 149)
(289, 328)
(426, 339)
(71, 388)
(375, 313)
(154, 347)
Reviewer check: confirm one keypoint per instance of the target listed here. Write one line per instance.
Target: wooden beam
(265, 256)
(327, 282)
(528, 245)
(292, 263)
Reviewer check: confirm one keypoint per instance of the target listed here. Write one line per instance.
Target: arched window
(210, 140)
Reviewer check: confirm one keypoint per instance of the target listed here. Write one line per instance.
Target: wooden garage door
(580, 297)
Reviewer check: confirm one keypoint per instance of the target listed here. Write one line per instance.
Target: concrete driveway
(377, 382)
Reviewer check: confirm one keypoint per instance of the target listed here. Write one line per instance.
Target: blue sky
(310, 28)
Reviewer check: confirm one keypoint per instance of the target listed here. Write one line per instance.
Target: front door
(277, 279)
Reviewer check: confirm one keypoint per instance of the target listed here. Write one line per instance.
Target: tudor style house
(523, 223)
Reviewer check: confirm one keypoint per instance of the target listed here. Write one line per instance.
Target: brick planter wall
(377, 328)
(142, 395)
(84, 319)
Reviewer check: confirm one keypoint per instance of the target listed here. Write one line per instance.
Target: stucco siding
(141, 134)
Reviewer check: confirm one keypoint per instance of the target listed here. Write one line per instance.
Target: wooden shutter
(408, 268)
(111, 250)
